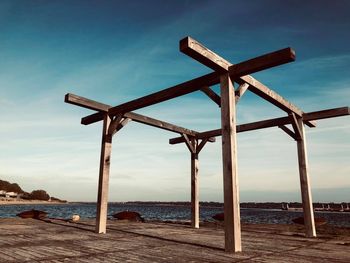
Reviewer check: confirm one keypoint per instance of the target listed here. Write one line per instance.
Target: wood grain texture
(240, 91)
(85, 103)
(265, 61)
(194, 185)
(103, 181)
(296, 127)
(305, 186)
(288, 131)
(229, 162)
(167, 94)
(311, 116)
(55, 241)
(212, 95)
(210, 59)
(94, 105)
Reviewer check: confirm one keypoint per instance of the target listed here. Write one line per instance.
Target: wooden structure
(225, 74)
(59, 241)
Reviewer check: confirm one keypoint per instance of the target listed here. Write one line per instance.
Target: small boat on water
(129, 215)
(35, 214)
(319, 221)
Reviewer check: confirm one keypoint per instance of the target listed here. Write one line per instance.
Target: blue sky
(115, 51)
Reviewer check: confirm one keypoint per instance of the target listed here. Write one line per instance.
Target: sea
(166, 212)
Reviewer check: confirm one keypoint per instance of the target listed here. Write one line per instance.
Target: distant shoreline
(30, 202)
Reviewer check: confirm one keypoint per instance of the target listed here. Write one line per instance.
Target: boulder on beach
(129, 215)
(219, 217)
(35, 214)
(319, 221)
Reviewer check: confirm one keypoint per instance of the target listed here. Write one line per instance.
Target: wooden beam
(94, 105)
(229, 159)
(194, 185)
(103, 181)
(271, 96)
(122, 124)
(240, 91)
(265, 61)
(210, 59)
(189, 144)
(288, 131)
(114, 124)
(201, 145)
(295, 125)
(316, 115)
(92, 118)
(212, 95)
(239, 128)
(329, 113)
(167, 94)
(159, 124)
(250, 66)
(85, 103)
(305, 183)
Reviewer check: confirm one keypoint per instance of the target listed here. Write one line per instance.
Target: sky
(116, 51)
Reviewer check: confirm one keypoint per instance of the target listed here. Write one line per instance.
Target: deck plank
(58, 241)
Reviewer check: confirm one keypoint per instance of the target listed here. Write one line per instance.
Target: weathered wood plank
(194, 185)
(329, 113)
(159, 124)
(229, 161)
(189, 144)
(310, 116)
(288, 131)
(296, 128)
(243, 68)
(265, 61)
(240, 91)
(94, 105)
(59, 241)
(103, 181)
(305, 183)
(167, 94)
(212, 95)
(84, 102)
(210, 59)
(204, 55)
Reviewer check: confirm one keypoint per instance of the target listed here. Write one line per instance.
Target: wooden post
(103, 181)
(305, 184)
(194, 186)
(229, 159)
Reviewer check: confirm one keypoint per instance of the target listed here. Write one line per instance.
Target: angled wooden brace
(114, 124)
(201, 145)
(212, 95)
(297, 129)
(288, 131)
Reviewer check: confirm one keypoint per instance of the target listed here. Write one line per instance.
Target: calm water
(166, 212)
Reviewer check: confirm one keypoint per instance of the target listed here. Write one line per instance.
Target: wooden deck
(31, 240)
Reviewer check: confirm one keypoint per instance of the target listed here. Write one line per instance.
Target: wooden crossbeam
(199, 52)
(85, 103)
(316, 115)
(266, 61)
(246, 67)
(94, 105)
